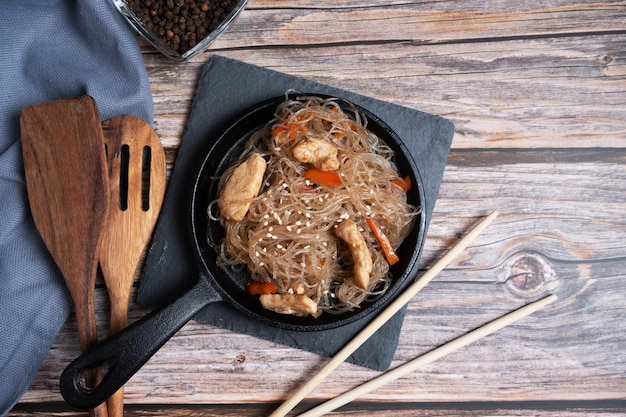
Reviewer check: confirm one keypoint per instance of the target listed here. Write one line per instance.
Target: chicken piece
(348, 231)
(296, 304)
(241, 188)
(318, 152)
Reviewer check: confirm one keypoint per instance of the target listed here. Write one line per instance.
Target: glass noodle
(287, 236)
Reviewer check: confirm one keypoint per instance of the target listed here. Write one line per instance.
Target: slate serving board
(227, 87)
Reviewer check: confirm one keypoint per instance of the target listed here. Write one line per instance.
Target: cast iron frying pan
(125, 352)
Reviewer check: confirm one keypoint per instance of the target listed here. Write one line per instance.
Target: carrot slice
(290, 130)
(293, 131)
(278, 130)
(258, 288)
(322, 177)
(404, 183)
(383, 240)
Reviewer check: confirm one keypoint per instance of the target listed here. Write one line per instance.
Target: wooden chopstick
(383, 317)
(428, 357)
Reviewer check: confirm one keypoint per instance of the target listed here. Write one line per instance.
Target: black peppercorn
(181, 24)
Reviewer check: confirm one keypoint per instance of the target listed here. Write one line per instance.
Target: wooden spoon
(68, 190)
(137, 179)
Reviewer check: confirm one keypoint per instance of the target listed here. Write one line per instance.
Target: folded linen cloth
(51, 50)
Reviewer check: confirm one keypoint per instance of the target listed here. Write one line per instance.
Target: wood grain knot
(527, 274)
(240, 359)
(608, 59)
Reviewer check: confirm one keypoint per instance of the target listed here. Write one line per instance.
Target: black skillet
(122, 354)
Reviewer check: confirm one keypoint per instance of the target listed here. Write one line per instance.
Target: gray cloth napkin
(51, 49)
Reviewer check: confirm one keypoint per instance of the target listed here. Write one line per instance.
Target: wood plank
(278, 23)
(576, 409)
(545, 93)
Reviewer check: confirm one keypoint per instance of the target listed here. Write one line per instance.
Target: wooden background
(537, 92)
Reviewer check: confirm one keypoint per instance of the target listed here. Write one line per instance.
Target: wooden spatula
(137, 174)
(68, 191)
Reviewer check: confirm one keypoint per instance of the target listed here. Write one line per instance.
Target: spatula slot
(146, 161)
(124, 162)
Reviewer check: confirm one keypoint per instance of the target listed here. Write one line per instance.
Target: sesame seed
(271, 228)
(298, 231)
(288, 228)
(261, 264)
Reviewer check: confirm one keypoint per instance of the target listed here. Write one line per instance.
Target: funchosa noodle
(288, 235)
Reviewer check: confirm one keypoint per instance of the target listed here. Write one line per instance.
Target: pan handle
(122, 354)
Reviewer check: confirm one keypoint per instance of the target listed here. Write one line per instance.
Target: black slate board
(226, 88)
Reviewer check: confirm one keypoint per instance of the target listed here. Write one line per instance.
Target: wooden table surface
(537, 93)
